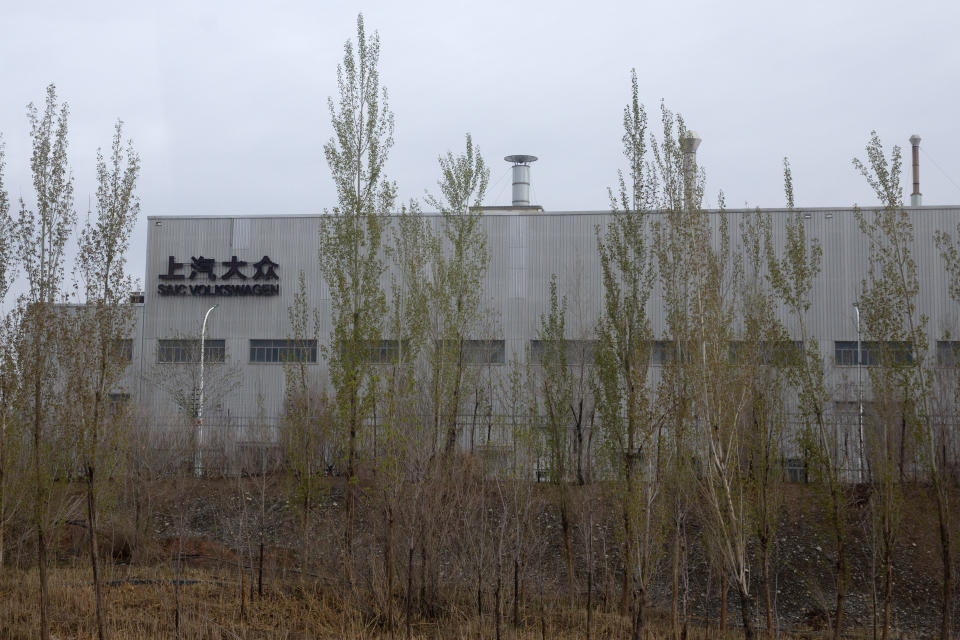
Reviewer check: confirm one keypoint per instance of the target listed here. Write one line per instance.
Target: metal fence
(230, 446)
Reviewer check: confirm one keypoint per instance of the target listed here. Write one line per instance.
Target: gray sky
(226, 102)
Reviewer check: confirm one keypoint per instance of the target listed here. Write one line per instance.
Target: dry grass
(143, 604)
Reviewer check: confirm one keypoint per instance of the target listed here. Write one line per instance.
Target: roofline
(512, 212)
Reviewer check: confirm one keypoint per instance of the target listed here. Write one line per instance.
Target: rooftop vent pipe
(916, 198)
(688, 146)
(521, 179)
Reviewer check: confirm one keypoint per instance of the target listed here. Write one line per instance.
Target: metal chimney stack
(916, 198)
(521, 178)
(688, 145)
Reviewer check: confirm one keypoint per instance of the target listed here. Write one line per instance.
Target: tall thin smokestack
(688, 145)
(916, 198)
(521, 179)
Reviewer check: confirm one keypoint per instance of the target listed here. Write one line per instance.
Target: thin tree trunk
(567, 545)
(348, 529)
(423, 576)
(409, 587)
(516, 592)
(627, 552)
(943, 517)
(840, 567)
(543, 615)
(260, 568)
(746, 612)
(389, 569)
(479, 594)
(176, 581)
(304, 538)
(675, 594)
(243, 591)
(724, 588)
(2, 513)
(638, 620)
(455, 400)
(765, 575)
(38, 509)
(887, 589)
(496, 609)
(589, 567)
(94, 553)
(589, 595)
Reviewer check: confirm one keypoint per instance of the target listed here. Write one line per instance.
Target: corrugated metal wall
(525, 250)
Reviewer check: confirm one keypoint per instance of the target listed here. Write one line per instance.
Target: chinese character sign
(203, 270)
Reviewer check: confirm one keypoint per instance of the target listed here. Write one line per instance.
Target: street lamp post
(859, 397)
(198, 457)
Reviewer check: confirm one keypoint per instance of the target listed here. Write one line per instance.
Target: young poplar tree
(937, 450)
(400, 424)
(93, 355)
(765, 353)
(459, 265)
(10, 432)
(707, 392)
(721, 398)
(675, 246)
(351, 240)
(41, 236)
(305, 421)
(555, 382)
(792, 276)
(622, 392)
(901, 384)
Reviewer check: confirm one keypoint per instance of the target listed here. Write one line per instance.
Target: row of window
(577, 351)
(267, 351)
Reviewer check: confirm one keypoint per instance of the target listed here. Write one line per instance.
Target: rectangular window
(845, 353)
(795, 470)
(779, 352)
(577, 352)
(123, 349)
(484, 351)
(474, 351)
(665, 352)
(188, 351)
(872, 353)
(283, 350)
(948, 353)
(386, 351)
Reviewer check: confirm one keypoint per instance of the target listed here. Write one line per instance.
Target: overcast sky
(226, 102)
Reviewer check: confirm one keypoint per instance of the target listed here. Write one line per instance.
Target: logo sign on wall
(246, 279)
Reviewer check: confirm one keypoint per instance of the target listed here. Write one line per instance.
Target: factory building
(249, 267)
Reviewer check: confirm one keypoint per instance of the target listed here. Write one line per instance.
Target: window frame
(282, 350)
(176, 350)
(871, 352)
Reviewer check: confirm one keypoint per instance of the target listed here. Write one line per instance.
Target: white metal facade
(525, 248)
